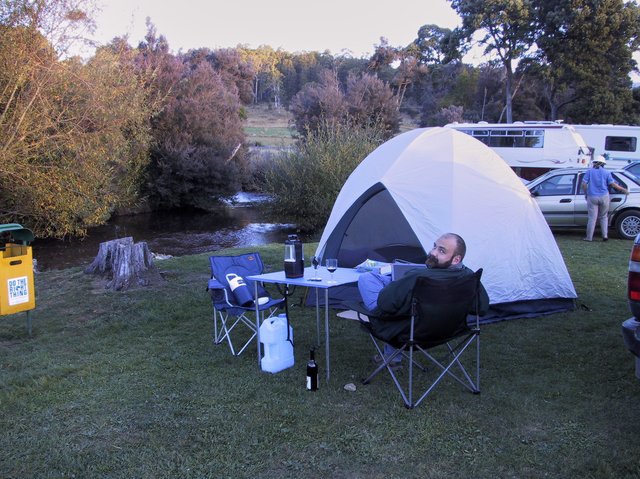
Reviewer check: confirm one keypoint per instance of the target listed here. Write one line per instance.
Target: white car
(563, 204)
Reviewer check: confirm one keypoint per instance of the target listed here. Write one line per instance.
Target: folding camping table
(341, 277)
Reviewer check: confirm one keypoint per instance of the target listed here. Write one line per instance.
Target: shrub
(306, 181)
(365, 101)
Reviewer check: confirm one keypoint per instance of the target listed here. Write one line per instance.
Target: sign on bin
(16, 279)
(18, 290)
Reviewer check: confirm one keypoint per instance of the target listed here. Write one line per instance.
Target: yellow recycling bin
(17, 291)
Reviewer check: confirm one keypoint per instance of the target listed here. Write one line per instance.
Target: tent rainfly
(429, 181)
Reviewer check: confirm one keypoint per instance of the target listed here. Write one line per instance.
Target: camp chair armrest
(219, 291)
(214, 284)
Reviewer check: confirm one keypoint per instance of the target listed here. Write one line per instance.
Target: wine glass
(332, 265)
(315, 263)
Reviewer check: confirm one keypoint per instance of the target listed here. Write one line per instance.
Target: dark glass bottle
(312, 373)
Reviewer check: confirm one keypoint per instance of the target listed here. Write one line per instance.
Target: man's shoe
(605, 239)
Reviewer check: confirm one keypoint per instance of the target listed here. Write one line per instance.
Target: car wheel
(628, 224)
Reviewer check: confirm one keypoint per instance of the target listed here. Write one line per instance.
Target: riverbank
(238, 224)
(123, 385)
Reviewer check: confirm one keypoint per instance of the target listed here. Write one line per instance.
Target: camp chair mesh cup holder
(439, 312)
(229, 316)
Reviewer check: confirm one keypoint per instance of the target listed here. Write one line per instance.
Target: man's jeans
(370, 285)
(598, 208)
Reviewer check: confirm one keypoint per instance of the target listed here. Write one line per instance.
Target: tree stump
(124, 264)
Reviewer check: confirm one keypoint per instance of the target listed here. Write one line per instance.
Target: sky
(340, 26)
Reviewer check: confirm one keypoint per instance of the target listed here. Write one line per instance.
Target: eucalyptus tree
(436, 44)
(584, 58)
(267, 79)
(507, 29)
(396, 65)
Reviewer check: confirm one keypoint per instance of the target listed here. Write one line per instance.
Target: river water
(175, 233)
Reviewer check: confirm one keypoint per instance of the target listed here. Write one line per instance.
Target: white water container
(278, 352)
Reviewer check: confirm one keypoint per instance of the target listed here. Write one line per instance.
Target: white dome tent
(426, 182)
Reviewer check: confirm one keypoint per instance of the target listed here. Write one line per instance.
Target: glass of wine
(315, 263)
(332, 265)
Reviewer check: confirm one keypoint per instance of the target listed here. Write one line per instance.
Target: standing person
(595, 184)
(391, 300)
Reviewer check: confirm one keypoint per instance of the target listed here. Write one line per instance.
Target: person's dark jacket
(392, 316)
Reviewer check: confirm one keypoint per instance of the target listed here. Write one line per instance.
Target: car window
(557, 185)
(620, 180)
(634, 169)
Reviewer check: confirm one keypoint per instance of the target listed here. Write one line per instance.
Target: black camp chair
(232, 296)
(438, 323)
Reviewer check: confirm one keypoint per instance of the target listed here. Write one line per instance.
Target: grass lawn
(268, 127)
(129, 385)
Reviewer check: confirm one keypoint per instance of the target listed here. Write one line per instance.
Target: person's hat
(600, 159)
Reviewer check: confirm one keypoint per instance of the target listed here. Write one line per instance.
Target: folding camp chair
(438, 323)
(233, 299)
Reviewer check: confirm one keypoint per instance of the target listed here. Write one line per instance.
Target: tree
(197, 155)
(363, 101)
(317, 103)
(584, 58)
(398, 66)
(267, 78)
(62, 22)
(371, 102)
(234, 70)
(73, 136)
(508, 28)
(435, 44)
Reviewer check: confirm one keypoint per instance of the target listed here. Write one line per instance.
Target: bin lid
(15, 233)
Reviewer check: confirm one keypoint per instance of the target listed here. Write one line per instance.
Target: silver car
(562, 201)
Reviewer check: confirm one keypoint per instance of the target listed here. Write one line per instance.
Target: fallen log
(125, 264)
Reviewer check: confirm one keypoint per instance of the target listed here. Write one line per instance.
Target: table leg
(326, 328)
(318, 316)
(255, 296)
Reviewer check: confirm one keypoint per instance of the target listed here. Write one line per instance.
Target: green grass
(268, 127)
(129, 385)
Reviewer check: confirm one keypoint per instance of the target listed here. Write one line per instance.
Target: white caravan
(619, 142)
(531, 148)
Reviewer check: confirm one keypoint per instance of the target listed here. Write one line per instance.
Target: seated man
(391, 300)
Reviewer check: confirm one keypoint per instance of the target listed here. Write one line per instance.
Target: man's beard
(432, 262)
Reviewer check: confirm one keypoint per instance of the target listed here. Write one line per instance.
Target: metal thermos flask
(293, 257)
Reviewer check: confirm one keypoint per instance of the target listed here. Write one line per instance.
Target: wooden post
(124, 264)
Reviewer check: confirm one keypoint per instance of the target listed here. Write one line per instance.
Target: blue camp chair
(232, 296)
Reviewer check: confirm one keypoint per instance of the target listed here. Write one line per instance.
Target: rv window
(620, 143)
(517, 139)
(482, 135)
(478, 133)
